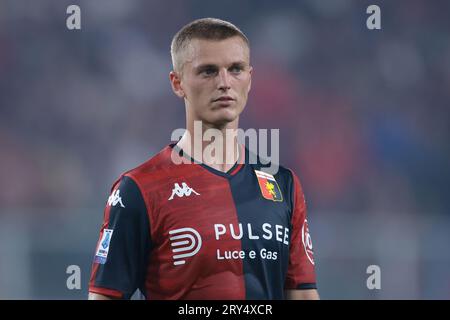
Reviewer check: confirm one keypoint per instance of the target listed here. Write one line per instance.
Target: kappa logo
(115, 198)
(182, 191)
(186, 240)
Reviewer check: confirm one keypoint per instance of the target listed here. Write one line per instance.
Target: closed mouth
(224, 99)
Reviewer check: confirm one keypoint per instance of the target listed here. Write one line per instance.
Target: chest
(206, 218)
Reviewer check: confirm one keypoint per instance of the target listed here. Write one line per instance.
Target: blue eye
(209, 72)
(236, 69)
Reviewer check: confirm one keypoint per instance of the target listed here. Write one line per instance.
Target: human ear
(175, 81)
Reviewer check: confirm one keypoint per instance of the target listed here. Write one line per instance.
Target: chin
(222, 120)
(225, 116)
(221, 117)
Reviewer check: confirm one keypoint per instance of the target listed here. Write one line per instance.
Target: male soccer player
(206, 229)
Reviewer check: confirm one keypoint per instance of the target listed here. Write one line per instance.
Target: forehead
(201, 51)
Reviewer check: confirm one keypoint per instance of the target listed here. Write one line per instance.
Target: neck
(214, 146)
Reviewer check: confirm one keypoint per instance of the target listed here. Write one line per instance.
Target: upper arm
(301, 270)
(121, 256)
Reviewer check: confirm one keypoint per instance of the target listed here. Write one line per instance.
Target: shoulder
(286, 178)
(281, 173)
(156, 166)
(125, 194)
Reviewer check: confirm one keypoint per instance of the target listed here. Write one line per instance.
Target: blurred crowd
(363, 114)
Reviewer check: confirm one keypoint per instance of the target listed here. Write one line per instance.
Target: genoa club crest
(269, 186)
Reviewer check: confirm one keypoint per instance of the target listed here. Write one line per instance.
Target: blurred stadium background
(364, 118)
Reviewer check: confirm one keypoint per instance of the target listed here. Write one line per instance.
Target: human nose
(223, 80)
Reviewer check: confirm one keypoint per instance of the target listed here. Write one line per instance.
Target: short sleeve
(301, 272)
(122, 252)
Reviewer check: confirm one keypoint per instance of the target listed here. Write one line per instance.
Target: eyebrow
(214, 66)
(241, 64)
(206, 67)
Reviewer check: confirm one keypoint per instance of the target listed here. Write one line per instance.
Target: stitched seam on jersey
(293, 204)
(292, 196)
(145, 202)
(240, 241)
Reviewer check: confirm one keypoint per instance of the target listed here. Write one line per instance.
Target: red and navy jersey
(188, 231)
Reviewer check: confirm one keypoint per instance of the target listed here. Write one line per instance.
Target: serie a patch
(269, 186)
(103, 247)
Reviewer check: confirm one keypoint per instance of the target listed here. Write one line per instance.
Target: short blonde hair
(206, 28)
